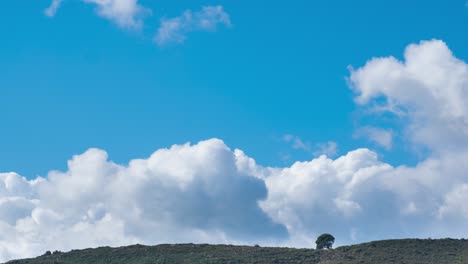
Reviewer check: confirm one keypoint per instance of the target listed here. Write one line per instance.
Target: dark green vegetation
(325, 241)
(389, 251)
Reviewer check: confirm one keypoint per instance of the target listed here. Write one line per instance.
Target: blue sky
(106, 84)
(77, 80)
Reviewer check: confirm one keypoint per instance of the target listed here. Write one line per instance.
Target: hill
(388, 251)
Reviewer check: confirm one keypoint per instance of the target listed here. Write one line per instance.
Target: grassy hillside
(389, 251)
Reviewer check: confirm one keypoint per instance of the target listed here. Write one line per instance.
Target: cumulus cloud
(186, 193)
(429, 88)
(208, 193)
(175, 30)
(125, 13)
(360, 198)
(455, 203)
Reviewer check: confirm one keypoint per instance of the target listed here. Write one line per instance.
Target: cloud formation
(329, 149)
(191, 193)
(175, 30)
(429, 90)
(129, 14)
(124, 13)
(207, 192)
(52, 9)
(296, 142)
(381, 137)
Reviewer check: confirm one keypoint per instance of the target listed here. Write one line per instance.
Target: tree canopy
(325, 241)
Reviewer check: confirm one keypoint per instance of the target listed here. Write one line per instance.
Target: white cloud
(315, 196)
(296, 142)
(359, 198)
(125, 13)
(52, 9)
(129, 14)
(329, 149)
(208, 193)
(382, 137)
(455, 203)
(175, 30)
(430, 87)
(187, 193)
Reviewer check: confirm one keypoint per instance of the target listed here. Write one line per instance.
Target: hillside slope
(388, 251)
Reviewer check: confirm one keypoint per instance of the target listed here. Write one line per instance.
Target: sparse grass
(388, 251)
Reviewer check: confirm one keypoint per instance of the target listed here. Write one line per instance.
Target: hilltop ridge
(387, 251)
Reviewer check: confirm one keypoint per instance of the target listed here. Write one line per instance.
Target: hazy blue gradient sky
(77, 80)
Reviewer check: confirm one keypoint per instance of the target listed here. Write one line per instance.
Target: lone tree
(325, 241)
